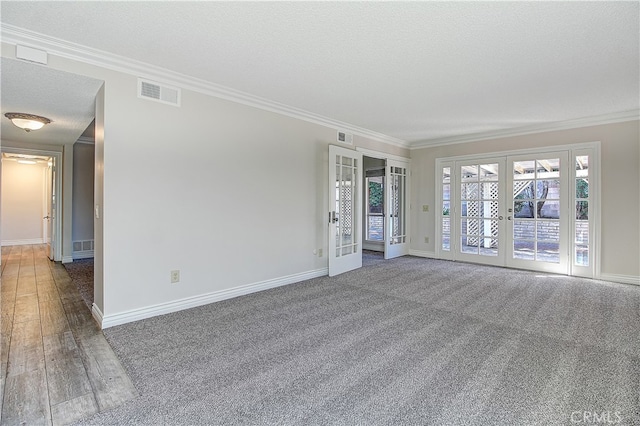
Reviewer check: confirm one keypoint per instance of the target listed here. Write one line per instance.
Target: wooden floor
(56, 366)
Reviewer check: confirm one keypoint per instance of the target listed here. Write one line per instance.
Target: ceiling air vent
(158, 92)
(345, 138)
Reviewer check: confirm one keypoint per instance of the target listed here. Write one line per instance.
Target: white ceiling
(415, 71)
(68, 100)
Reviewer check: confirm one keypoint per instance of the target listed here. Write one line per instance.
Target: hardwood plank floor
(49, 340)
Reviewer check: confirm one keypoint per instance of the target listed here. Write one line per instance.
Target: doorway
(30, 201)
(527, 210)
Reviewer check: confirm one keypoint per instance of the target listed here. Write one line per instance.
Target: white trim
(85, 254)
(617, 117)
(423, 253)
(67, 259)
(107, 321)
(382, 155)
(97, 314)
(619, 278)
(26, 242)
(65, 49)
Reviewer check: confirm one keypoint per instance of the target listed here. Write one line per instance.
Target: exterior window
(581, 231)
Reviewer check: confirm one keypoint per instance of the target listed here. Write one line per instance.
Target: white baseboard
(67, 259)
(619, 278)
(422, 253)
(97, 314)
(22, 242)
(107, 321)
(86, 254)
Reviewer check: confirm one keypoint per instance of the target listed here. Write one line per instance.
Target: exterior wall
(620, 198)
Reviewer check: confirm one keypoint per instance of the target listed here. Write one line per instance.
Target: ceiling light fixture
(27, 122)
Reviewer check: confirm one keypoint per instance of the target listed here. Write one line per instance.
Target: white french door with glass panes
(530, 210)
(396, 237)
(345, 201)
(478, 211)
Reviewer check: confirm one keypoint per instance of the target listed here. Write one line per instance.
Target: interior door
(396, 238)
(345, 201)
(51, 213)
(537, 212)
(479, 211)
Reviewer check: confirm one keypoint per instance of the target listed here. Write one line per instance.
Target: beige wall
(620, 179)
(83, 171)
(23, 202)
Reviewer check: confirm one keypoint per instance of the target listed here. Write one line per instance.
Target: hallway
(56, 366)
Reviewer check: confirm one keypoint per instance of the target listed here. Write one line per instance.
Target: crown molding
(616, 117)
(16, 35)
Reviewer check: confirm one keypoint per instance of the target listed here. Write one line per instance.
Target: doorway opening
(30, 201)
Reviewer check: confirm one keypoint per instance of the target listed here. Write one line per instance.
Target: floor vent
(158, 92)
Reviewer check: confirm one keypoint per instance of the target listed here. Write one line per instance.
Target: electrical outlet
(426, 240)
(425, 208)
(175, 276)
(319, 252)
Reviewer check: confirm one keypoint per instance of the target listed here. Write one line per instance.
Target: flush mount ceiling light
(27, 122)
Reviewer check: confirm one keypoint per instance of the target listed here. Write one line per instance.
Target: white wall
(23, 202)
(620, 178)
(228, 194)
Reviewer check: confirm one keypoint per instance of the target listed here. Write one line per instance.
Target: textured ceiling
(414, 71)
(68, 100)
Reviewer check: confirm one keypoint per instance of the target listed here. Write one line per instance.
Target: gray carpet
(407, 341)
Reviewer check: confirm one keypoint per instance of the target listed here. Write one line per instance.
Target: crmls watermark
(596, 417)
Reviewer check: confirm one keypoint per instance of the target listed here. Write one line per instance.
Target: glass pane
(469, 191)
(375, 228)
(347, 250)
(548, 168)
(523, 190)
(548, 189)
(548, 209)
(523, 250)
(548, 252)
(582, 210)
(582, 162)
(346, 161)
(446, 242)
(446, 233)
(489, 247)
(523, 209)
(548, 230)
(582, 188)
(469, 173)
(488, 172)
(446, 175)
(446, 208)
(523, 169)
(469, 226)
(524, 229)
(582, 232)
(489, 191)
(582, 255)
(470, 208)
(446, 192)
(469, 245)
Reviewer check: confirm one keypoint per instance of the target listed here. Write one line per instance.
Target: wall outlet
(175, 276)
(425, 208)
(426, 240)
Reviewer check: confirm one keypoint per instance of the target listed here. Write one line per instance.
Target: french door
(396, 237)
(508, 211)
(345, 201)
